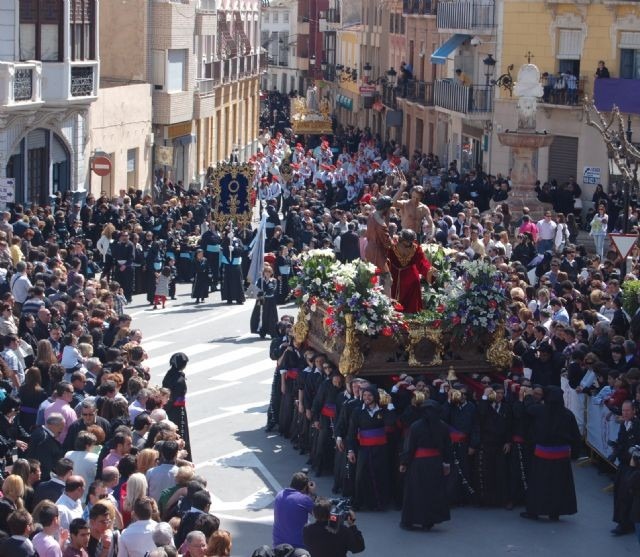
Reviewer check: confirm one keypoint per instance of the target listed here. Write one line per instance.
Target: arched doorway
(41, 166)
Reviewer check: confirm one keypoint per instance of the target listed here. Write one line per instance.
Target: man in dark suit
(54, 488)
(349, 244)
(322, 542)
(88, 416)
(200, 504)
(44, 445)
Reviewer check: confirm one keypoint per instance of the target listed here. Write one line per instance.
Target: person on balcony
(602, 72)
(462, 78)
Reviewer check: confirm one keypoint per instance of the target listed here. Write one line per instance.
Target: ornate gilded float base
(418, 333)
(351, 359)
(499, 352)
(301, 327)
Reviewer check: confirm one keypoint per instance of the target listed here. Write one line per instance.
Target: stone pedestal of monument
(524, 146)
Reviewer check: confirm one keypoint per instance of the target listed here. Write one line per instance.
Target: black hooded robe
(176, 408)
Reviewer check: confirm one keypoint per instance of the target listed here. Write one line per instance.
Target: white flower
(313, 307)
(317, 281)
(305, 298)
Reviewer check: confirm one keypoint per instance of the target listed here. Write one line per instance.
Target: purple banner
(625, 93)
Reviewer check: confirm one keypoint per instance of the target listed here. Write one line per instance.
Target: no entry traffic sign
(101, 165)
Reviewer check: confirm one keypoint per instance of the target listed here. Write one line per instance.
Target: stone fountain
(525, 142)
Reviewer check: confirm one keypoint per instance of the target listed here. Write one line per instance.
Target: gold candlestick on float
(301, 327)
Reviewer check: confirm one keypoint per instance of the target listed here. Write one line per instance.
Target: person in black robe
(123, 253)
(264, 317)
(291, 365)
(283, 273)
(176, 408)
(557, 439)
(344, 406)
(426, 460)
(368, 450)
(461, 416)
(494, 417)
(231, 259)
(520, 454)
(323, 421)
(278, 345)
(200, 288)
(628, 437)
(210, 244)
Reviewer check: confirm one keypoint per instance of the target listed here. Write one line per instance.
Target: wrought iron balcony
(82, 81)
(464, 15)
(418, 7)
(20, 83)
(420, 92)
(454, 96)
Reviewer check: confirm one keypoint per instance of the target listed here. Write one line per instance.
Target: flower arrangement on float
(471, 306)
(477, 302)
(346, 289)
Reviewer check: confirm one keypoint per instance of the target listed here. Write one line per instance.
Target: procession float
(344, 313)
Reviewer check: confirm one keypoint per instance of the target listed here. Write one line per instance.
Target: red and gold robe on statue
(405, 274)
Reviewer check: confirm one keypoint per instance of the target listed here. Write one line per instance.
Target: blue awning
(442, 53)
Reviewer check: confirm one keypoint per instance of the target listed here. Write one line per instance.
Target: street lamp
(366, 71)
(323, 66)
(489, 67)
(392, 75)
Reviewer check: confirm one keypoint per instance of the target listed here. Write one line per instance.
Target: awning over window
(442, 53)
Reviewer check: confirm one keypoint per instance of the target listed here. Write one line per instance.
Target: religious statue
(528, 89)
(313, 103)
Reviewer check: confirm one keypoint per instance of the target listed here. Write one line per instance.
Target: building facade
(49, 75)
(202, 60)
(279, 39)
(566, 40)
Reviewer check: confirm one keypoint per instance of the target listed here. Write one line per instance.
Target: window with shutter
(569, 44)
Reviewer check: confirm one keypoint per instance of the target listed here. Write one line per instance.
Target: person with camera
(291, 510)
(628, 437)
(426, 459)
(334, 533)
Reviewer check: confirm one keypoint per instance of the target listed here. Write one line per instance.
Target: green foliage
(630, 293)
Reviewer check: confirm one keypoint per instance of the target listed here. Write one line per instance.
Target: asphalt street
(229, 381)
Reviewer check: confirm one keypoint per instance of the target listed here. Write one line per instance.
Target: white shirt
(68, 509)
(137, 539)
(84, 464)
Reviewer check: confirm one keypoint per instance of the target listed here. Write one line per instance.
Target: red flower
(313, 300)
(377, 271)
(395, 378)
(374, 280)
(398, 306)
(329, 321)
(493, 304)
(456, 320)
(440, 308)
(437, 323)
(386, 331)
(339, 287)
(330, 310)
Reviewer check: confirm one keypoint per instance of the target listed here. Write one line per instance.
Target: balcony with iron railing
(475, 16)
(418, 7)
(563, 96)
(474, 99)
(420, 92)
(20, 84)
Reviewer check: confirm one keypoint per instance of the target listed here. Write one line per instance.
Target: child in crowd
(162, 287)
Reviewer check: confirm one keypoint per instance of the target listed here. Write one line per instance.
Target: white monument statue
(528, 89)
(313, 102)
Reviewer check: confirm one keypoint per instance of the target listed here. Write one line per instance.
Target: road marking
(224, 313)
(211, 389)
(225, 359)
(243, 372)
(193, 350)
(259, 520)
(231, 411)
(154, 345)
(267, 382)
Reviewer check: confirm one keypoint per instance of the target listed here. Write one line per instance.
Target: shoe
(554, 518)
(154, 307)
(427, 527)
(509, 506)
(619, 530)
(530, 516)
(408, 527)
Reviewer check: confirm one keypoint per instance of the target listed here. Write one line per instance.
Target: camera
(340, 509)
